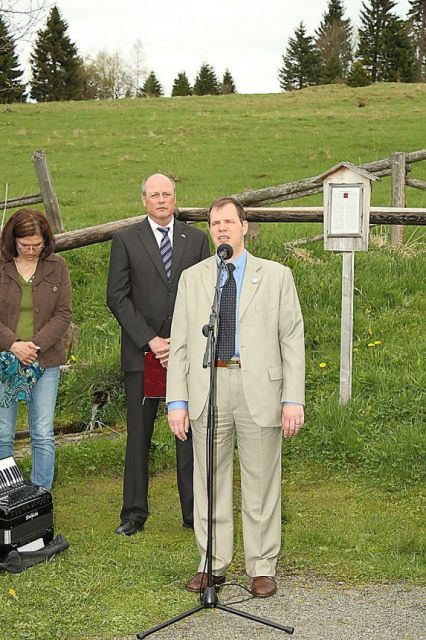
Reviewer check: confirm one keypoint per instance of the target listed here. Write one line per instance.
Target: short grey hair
(145, 180)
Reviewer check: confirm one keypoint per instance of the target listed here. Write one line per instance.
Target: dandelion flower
(11, 593)
(371, 344)
(377, 342)
(73, 358)
(322, 365)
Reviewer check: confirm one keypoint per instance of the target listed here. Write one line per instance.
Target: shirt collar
(154, 225)
(239, 262)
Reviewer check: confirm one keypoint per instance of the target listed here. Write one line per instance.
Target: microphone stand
(209, 598)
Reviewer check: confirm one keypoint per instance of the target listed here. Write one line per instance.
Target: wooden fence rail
(417, 184)
(103, 232)
(311, 186)
(23, 201)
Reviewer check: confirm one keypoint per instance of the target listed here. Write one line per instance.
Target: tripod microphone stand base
(211, 601)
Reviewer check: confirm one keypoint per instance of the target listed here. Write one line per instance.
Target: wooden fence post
(398, 194)
(50, 200)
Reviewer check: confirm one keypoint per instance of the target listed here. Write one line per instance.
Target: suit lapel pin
(255, 280)
(182, 235)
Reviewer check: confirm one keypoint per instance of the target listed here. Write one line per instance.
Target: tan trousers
(259, 451)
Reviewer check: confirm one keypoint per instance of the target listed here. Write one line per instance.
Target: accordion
(26, 510)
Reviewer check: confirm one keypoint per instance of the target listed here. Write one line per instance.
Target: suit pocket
(275, 372)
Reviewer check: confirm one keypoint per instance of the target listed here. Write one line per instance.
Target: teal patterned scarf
(18, 378)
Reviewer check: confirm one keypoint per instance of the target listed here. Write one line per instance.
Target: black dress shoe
(187, 525)
(129, 528)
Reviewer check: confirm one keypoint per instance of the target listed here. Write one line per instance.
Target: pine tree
(332, 70)
(11, 87)
(181, 86)
(206, 82)
(152, 87)
(227, 85)
(399, 61)
(358, 76)
(301, 62)
(384, 47)
(334, 41)
(57, 70)
(417, 23)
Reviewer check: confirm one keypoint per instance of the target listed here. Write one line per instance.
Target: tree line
(385, 48)
(58, 72)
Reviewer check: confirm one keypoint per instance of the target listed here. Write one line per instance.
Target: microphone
(224, 251)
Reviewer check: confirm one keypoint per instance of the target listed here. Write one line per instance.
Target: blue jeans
(40, 421)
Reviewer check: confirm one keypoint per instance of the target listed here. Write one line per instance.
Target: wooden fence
(47, 194)
(255, 200)
(398, 166)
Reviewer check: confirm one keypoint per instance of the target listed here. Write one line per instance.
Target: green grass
(341, 527)
(98, 151)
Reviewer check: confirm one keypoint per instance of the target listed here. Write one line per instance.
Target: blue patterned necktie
(166, 250)
(227, 317)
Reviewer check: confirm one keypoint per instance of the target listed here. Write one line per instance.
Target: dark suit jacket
(138, 293)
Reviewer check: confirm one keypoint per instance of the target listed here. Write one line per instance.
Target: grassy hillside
(98, 152)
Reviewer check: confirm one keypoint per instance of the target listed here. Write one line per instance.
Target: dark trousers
(140, 426)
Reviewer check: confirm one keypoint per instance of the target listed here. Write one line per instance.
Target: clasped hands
(26, 352)
(160, 347)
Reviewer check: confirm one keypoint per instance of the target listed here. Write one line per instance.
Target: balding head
(153, 177)
(158, 196)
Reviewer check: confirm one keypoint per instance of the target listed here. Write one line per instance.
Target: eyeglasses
(29, 247)
(163, 194)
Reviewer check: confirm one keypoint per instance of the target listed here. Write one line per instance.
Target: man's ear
(143, 199)
(245, 227)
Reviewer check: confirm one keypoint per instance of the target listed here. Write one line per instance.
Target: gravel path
(317, 609)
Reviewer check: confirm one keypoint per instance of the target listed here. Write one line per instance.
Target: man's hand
(26, 352)
(160, 348)
(292, 419)
(179, 422)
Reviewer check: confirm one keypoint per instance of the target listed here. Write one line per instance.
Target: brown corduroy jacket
(51, 307)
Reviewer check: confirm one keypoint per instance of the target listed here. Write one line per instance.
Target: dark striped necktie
(166, 250)
(227, 317)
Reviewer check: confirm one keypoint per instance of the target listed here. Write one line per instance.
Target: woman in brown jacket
(35, 312)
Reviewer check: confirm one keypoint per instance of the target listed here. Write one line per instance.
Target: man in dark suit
(146, 262)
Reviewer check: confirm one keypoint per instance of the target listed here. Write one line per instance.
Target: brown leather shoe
(263, 587)
(199, 582)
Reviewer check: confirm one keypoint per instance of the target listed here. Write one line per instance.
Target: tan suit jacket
(270, 336)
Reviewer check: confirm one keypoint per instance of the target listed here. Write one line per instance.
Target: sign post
(347, 194)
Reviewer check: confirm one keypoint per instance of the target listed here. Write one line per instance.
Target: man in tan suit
(260, 395)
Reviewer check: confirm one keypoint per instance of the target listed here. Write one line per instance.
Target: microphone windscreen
(224, 251)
